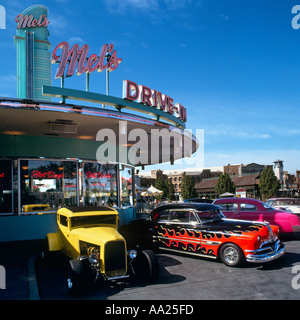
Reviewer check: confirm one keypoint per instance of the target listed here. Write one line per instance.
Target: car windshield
(267, 206)
(209, 215)
(91, 221)
(286, 202)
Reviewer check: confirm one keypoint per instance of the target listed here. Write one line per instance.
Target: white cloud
(242, 135)
(74, 40)
(122, 6)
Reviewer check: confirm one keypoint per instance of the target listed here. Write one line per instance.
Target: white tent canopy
(152, 191)
(227, 194)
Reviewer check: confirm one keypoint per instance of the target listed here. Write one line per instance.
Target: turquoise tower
(33, 55)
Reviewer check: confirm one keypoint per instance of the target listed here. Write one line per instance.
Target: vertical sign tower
(33, 56)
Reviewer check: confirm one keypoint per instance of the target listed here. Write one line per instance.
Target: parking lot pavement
(190, 278)
(181, 278)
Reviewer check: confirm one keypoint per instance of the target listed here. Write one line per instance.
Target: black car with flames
(201, 229)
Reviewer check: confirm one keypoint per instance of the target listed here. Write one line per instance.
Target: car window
(247, 207)
(164, 217)
(228, 206)
(177, 216)
(63, 220)
(267, 206)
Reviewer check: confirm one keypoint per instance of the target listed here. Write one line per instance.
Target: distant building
(245, 178)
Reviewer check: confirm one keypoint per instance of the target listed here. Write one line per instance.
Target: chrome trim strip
(202, 241)
(191, 253)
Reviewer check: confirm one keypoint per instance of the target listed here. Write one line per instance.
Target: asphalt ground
(30, 277)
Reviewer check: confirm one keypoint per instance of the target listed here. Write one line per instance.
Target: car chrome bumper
(268, 254)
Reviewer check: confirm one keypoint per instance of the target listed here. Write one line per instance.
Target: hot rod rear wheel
(145, 266)
(231, 255)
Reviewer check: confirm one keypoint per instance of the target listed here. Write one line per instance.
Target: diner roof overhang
(78, 124)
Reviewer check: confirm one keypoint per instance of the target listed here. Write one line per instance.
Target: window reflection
(5, 186)
(47, 185)
(100, 184)
(126, 186)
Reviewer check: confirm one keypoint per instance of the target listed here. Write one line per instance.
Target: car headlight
(132, 254)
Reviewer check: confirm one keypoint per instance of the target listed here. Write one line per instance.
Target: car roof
(234, 199)
(286, 198)
(86, 210)
(187, 205)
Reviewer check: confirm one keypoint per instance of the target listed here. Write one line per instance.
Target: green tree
(269, 185)
(188, 188)
(224, 184)
(164, 184)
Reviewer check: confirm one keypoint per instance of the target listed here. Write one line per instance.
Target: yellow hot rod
(89, 237)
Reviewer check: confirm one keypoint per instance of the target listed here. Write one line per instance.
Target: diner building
(82, 150)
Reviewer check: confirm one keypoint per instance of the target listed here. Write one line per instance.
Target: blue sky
(233, 64)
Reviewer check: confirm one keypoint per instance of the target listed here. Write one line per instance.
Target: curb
(32, 280)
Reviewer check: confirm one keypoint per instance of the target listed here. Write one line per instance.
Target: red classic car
(251, 209)
(201, 229)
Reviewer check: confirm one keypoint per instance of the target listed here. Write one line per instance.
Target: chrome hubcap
(230, 255)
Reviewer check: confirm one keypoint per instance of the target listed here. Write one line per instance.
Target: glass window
(228, 206)
(63, 220)
(47, 185)
(267, 206)
(181, 216)
(99, 184)
(247, 207)
(5, 186)
(126, 186)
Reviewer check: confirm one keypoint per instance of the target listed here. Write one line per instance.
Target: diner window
(5, 186)
(99, 184)
(47, 185)
(126, 186)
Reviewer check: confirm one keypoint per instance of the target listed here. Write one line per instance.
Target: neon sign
(153, 98)
(29, 22)
(46, 175)
(2, 175)
(98, 175)
(85, 65)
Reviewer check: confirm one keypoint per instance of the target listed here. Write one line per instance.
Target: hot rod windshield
(209, 215)
(86, 221)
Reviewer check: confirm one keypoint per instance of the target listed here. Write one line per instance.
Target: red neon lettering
(46, 175)
(130, 90)
(29, 22)
(145, 95)
(98, 175)
(162, 101)
(72, 56)
(2, 175)
(152, 98)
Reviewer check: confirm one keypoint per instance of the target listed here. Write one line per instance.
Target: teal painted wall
(51, 147)
(29, 227)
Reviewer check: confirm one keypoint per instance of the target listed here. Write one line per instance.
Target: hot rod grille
(115, 258)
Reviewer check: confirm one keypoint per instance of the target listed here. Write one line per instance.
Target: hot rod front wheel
(231, 255)
(77, 278)
(145, 267)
